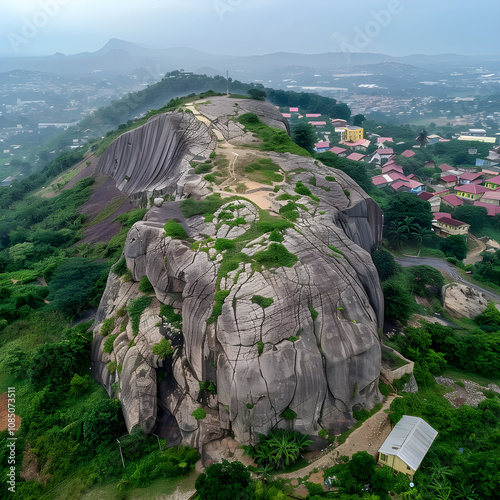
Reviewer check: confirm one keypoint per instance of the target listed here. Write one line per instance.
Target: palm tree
(397, 232)
(418, 233)
(464, 491)
(423, 138)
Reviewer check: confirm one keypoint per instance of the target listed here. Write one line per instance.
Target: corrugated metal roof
(410, 440)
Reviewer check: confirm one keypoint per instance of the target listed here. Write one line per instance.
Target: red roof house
(452, 200)
(356, 156)
(444, 167)
(408, 153)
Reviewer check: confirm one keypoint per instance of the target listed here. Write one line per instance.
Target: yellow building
(352, 134)
(493, 182)
(407, 444)
(470, 191)
(447, 226)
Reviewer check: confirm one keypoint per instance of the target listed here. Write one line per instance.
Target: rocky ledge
(271, 316)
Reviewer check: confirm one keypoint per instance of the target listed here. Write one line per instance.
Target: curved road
(447, 268)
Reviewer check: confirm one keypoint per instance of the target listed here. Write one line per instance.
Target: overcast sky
(244, 27)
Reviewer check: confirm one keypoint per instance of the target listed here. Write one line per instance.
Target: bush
(222, 244)
(302, 190)
(260, 347)
(163, 349)
(361, 415)
(108, 344)
(262, 301)
(174, 230)
(111, 366)
(102, 423)
(219, 298)
(276, 256)
(145, 285)
(276, 236)
(107, 326)
(135, 310)
(289, 414)
(199, 413)
(120, 267)
(168, 312)
(80, 385)
(384, 389)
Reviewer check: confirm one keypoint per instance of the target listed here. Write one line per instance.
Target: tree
(103, 423)
(423, 277)
(225, 481)
(384, 262)
(422, 138)
(304, 135)
(357, 120)
(455, 246)
(403, 205)
(399, 302)
(258, 94)
(74, 283)
(489, 319)
(477, 217)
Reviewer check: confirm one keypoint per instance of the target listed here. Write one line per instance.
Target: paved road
(447, 268)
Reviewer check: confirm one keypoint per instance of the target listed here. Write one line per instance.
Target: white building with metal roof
(407, 444)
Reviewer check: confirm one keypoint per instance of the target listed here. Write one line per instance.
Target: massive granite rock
(313, 349)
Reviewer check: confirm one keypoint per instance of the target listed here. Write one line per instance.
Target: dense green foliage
(488, 269)
(465, 453)
(145, 285)
(455, 246)
(354, 169)
(353, 476)
(75, 282)
(433, 346)
(262, 301)
(135, 310)
(312, 103)
(276, 256)
(279, 448)
(402, 205)
(174, 230)
(304, 135)
(224, 481)
(163, 349)
(273, 139)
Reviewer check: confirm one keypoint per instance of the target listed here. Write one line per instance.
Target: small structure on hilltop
(407, 444)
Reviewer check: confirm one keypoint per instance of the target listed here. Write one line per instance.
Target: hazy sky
(395, 27)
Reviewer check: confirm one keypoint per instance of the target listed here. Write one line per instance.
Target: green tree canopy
(225, 481)
(384, 262)
(403, 205)
(477, 217)
(258, 94)
(455, 246)
(304, 135)
(74, 283)
(399, 302)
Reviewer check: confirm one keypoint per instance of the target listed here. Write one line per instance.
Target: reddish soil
(3, 414)
(105, 192)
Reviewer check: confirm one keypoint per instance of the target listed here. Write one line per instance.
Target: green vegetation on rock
(135, 310)
(175, 230)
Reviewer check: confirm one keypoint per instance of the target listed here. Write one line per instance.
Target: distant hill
(122, 57)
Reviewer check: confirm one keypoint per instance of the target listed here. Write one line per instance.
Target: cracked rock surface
(313, 349)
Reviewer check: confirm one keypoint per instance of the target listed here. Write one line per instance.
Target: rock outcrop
(279, 327)
(463, 300)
